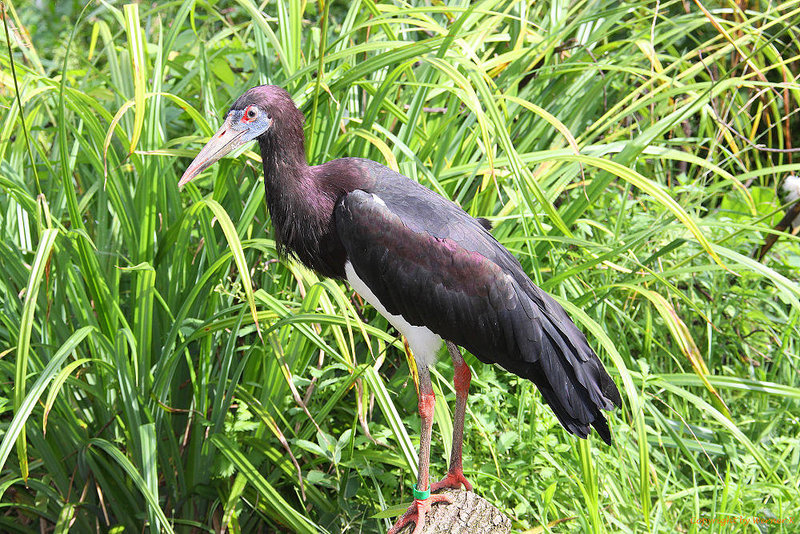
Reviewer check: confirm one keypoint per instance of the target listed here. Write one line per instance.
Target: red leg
(461, 380)
(416, 512)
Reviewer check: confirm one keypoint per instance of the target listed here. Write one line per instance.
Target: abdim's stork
(433, 271)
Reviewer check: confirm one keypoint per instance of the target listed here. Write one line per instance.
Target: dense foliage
(630, 153)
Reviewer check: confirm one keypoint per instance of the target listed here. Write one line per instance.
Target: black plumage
(432, 263)
(422, 257)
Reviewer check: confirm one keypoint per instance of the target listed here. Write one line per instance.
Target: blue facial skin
(251, 120)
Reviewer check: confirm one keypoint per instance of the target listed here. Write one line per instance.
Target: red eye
(250, 114)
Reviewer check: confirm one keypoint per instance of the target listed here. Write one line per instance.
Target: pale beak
(224, 141)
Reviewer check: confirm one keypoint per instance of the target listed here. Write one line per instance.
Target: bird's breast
(307, 230)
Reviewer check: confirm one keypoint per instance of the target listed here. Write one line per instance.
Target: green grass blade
(120, 459)
(48, 374)
(235, 245)
(40, 261)
(293, 519)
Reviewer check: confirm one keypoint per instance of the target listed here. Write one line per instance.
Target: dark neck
(300, 203)
(283, 153)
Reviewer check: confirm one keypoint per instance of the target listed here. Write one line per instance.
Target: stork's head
(253, 115)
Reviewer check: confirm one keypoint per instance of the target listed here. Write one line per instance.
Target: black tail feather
(560, 362)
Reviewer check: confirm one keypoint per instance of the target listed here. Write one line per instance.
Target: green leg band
(421, 495)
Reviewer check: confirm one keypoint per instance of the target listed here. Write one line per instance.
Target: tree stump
(469, 513)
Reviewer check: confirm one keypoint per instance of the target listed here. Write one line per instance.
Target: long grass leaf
(235, 245)
(23, 412)
(23, 341)
(136, 52)
(136, 477)
(295, 520)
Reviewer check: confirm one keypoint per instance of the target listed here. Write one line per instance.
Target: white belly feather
(424, 343)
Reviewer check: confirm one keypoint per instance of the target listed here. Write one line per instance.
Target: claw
(453, 480)
(416, 513)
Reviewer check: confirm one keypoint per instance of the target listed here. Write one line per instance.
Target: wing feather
(455, 279)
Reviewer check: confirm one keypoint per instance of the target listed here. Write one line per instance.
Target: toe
(416, 513)
(440, 498)
(452, 480)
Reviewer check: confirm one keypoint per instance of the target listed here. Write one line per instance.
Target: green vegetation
(631, 154)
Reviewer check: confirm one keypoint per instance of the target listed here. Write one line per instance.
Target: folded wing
(442, 269)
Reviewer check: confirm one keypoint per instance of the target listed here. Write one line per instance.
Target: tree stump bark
(467, 514)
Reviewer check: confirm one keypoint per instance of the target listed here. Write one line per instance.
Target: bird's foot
(416, 513)
(453, 480)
